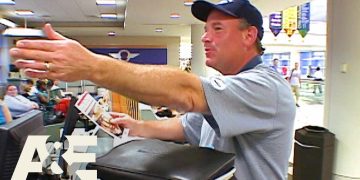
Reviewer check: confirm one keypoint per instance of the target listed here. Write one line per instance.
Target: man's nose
(205, 37)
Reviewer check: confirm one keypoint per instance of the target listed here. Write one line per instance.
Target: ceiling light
(7, 23)
(24, 12)
(188, 2)
(105, 2)
(7, 2)
(23, 32)
(159, 30)
(175, 15)
(111, 33)
(108, 16)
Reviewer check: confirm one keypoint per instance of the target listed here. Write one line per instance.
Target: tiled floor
(310, 112)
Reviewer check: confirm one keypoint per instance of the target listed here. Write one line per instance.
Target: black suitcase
(155, 159)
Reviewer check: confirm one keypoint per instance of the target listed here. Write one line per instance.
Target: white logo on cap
(225, 1)
(218, 83)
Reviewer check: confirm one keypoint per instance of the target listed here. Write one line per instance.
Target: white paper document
(95, 111)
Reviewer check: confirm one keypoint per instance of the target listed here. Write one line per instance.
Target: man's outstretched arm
(64, 59)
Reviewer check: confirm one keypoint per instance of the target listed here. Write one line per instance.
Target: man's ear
(250, 35)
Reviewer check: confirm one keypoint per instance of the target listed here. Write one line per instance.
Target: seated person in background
(42, 94)
(54, 90)
(25, 89)
(61, 91)
(29, 88)
(5, 115)
(29, 91)
(57, 95)
(55, 85)
(18, 104)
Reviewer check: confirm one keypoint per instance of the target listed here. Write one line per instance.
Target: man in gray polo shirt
(252, 111)
(249, 111)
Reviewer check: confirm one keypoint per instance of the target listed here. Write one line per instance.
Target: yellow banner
(290, 20)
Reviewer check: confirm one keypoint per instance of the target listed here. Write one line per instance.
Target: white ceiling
(81, 17)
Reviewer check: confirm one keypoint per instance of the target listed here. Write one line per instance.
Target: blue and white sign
(135, 55)
(275, 23)
(303, 19)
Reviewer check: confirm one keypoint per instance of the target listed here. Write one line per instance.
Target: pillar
(4, 63)
(198, 54)
(342, 99)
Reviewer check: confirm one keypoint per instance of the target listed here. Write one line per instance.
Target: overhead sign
(135, 55)
(290, 20)
(303, 19)
(275, 23)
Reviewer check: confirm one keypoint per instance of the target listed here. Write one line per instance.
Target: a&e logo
(25, 164)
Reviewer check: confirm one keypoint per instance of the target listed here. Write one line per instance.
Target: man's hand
(125, 121)
(54, 58)
(35, 106)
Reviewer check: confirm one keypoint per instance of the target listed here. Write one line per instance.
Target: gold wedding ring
(47, 66)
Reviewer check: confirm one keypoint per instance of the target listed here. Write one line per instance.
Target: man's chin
(211, 65)
(208, 63)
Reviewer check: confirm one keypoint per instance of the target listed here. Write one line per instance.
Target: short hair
(245, 24)
(40, 83)
(9, 85)
(50, 83)
(29, 81)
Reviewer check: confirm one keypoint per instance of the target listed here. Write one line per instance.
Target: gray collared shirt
(252, 116)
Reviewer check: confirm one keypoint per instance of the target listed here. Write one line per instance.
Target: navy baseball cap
(236, 8)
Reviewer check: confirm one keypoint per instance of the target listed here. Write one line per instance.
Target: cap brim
(201, 9)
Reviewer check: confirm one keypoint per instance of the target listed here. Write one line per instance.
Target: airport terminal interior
(318, 35)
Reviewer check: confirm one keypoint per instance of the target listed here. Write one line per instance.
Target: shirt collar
(252, 63)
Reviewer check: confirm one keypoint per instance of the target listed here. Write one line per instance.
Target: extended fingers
(33, 73)
(37, 55)
(52, 43)
(120, 118)
(41, 74)
(39, 44)
(23, 64)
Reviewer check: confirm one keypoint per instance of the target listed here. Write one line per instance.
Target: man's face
(223, 42)
(276, 62)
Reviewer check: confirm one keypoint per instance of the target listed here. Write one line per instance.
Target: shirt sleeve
(192, 123)
(16, 105)
(240, 104)
(2, 116)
